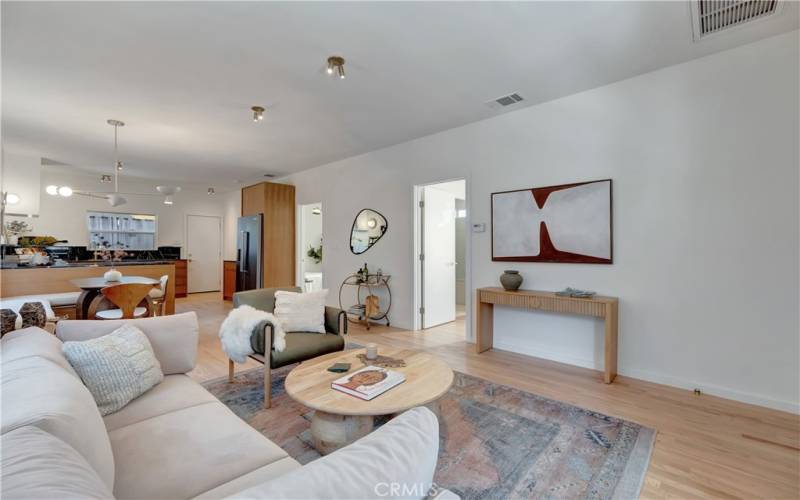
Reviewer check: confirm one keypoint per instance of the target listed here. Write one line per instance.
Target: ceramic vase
(511, 280)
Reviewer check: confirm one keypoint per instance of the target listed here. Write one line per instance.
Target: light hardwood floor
(706, 447)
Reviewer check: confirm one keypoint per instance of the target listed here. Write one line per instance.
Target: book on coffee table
(368, 382)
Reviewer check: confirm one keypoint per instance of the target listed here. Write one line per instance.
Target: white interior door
(203, 252)
(439, 257)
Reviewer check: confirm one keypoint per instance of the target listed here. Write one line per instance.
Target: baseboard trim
(538, 351)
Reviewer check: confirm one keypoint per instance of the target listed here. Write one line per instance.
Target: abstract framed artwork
(569, 223)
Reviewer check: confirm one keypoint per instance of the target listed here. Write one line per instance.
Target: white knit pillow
(301, 312)
(116, 368)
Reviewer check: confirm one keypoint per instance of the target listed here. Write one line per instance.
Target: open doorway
(441, 243)
(310, 247)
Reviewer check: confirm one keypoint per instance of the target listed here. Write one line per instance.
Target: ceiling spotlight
(258, 113)
(51, 190)
(105, 178)
(65, 191)
(211, 191)
(168, 200)
(336, 65)
(119, 166)
(11, 198)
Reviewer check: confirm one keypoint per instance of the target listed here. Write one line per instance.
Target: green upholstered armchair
(300, 346)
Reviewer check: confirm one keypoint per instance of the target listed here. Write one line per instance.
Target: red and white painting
(567, 223)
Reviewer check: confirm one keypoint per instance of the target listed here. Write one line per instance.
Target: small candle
(372, 351)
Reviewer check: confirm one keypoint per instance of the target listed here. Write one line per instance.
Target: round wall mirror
(368, 228)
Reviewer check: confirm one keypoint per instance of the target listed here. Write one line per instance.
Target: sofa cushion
(55, 299)
(39, 392)
(184, 453)
(117, 368)
(258, 476)
(399, 456)
(173, 338)
(37, 465)
(34, 341)
(303, 346)
(176, 392)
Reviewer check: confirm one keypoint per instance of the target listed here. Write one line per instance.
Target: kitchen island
(58, 279)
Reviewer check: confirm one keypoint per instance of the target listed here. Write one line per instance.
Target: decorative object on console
(511, 280)
(576, 293)
(568, 223)
(369, 226)
(112, 275)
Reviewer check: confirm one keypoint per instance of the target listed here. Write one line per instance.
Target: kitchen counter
(89, 263)
(41, 280)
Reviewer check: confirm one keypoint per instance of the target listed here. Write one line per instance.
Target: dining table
(91, 288)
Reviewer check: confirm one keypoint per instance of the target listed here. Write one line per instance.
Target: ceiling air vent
(712, 16)
(506, 100)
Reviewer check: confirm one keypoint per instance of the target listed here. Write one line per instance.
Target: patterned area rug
(496, 442)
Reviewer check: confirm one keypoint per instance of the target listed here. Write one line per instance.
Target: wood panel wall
(277, 203)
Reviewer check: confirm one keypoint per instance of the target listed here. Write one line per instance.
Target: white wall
(704, 158)
(65, 218)
(20, 175)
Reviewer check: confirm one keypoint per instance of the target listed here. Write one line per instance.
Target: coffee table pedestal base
(331, 432)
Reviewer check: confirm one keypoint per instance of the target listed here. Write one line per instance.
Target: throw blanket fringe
(238, 326)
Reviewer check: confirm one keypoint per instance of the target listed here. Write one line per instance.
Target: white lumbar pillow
(116, 368)
(301, 312)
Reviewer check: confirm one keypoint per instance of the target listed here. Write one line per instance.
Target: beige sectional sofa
(176, 441)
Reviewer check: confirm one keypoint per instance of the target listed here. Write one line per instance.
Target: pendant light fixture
(116, 197)
(336, 66)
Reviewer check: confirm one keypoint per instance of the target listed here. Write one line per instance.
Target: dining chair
(159, 296)
(132, 299)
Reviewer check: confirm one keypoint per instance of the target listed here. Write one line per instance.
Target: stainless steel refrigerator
(248, 252)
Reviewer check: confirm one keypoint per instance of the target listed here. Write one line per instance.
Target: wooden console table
(598, 306)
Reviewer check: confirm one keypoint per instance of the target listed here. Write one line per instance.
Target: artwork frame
(597, 232)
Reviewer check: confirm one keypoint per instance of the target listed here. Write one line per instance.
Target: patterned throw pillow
(116, 368)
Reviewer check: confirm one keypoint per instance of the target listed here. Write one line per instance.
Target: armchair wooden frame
(305, 345)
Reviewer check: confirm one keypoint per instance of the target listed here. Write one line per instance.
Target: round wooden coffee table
(339, 419)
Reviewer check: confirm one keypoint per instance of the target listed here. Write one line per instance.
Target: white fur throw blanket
(238, 326)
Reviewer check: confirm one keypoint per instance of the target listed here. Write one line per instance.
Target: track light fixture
(336, 66)
(211, 191)
(258, 113)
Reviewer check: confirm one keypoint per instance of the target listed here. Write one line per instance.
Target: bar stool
(127, 297)
(159, 296)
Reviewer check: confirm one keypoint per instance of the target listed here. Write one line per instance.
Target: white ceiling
(184, 75)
